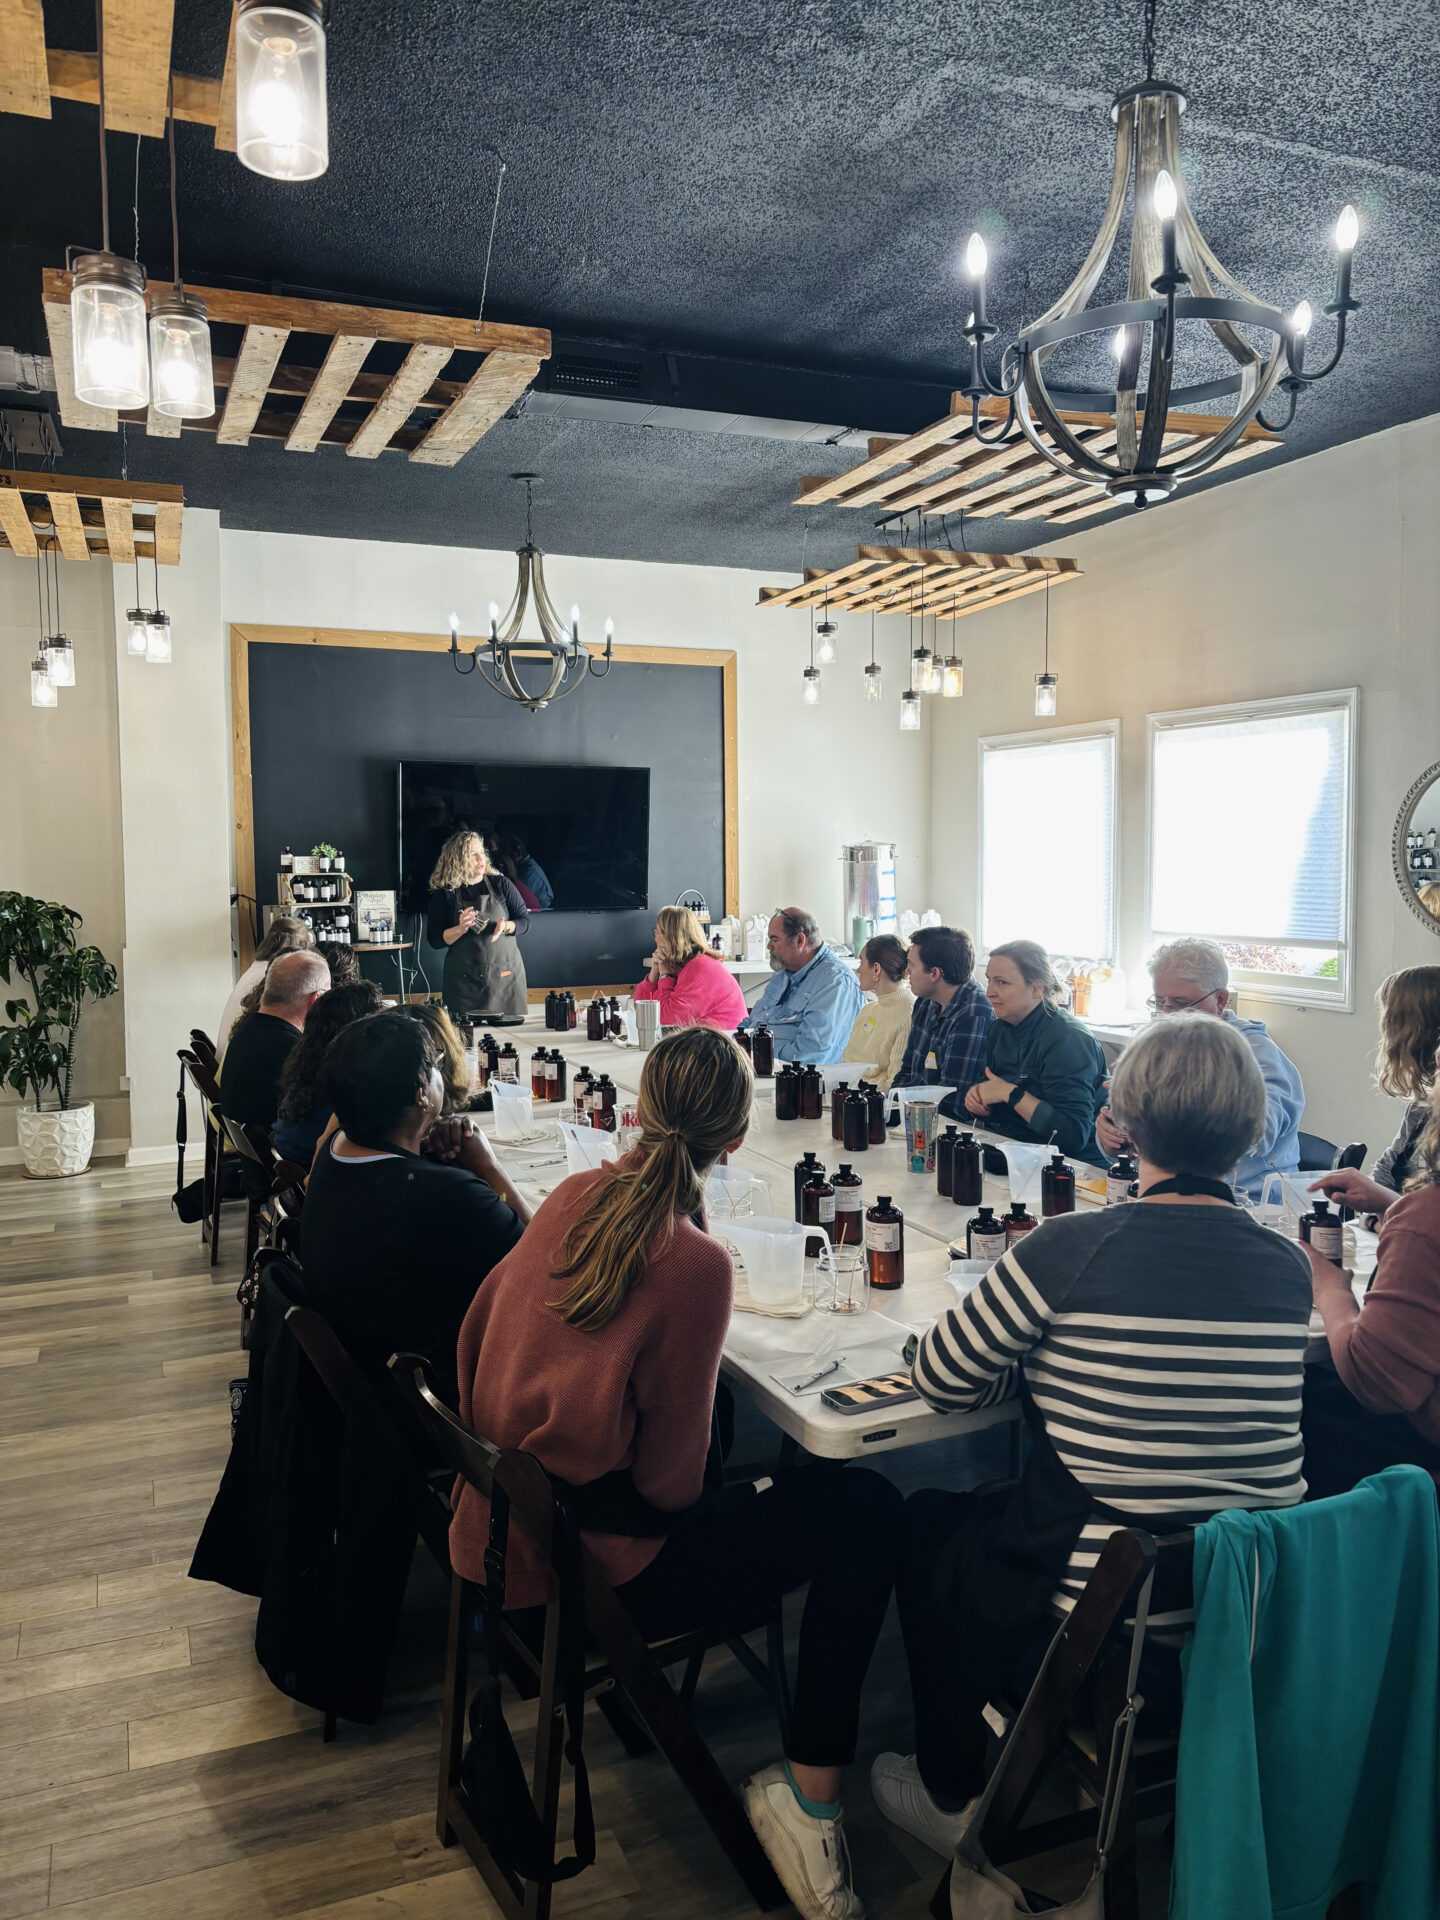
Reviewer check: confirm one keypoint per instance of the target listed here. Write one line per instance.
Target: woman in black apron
(475, 915)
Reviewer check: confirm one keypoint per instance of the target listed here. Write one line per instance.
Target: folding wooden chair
(203, 1047)
(621, 1660)
(218, 1149)
(252, 1143)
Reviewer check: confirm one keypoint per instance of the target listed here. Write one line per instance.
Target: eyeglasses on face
(1171, 1005)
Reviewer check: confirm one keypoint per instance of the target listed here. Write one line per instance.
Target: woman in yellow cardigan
(882, 1025)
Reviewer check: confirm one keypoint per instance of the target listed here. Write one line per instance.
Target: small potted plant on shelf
(323, 853)
(37, 1048)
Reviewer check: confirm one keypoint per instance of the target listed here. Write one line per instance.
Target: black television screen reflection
(577, 839)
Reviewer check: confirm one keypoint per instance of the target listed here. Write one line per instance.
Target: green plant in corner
(37, 943)
(323, 847)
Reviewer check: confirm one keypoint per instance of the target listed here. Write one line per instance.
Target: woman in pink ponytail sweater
(694, 989)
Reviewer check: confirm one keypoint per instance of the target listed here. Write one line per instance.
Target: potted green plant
(323, 853)
(37, 1047)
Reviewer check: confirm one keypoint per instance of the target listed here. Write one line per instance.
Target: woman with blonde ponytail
(595, 1345)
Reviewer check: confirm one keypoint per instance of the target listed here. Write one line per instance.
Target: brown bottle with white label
(1325, 1232)
(538, 1083)
(885, 1245)
(555, 1075)
(602, 1104)
(508, 1063)
(817, 1207)
(806, 1167)
(584, 1083)
(1018, 1222)
(849, 1205)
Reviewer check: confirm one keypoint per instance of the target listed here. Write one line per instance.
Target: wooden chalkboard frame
(242, 635)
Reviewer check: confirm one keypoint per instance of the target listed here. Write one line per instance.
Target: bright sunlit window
(1047, 837)
(1251, 817)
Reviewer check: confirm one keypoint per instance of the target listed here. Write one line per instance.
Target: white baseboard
(150, 1156)
(102, 1150)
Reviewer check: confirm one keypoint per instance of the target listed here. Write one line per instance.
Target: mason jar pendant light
(952, 672)
(182, 380)
(810, 678)
(873, 673)
(137, 639)
(107, 303)
(157, 628)
(909, 711)
(42, 687)
(55, 649)
(825, 635)
(1046, 684)
(281, 126)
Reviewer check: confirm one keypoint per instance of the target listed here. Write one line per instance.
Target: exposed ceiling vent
(576, 373)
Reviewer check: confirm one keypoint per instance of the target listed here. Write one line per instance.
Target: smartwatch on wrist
(1017, 1094)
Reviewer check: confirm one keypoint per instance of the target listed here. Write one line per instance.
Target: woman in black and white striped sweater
(1159, 1351)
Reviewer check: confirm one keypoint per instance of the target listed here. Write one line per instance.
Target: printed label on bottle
(1116, 1191)
(1328, 1242)
(552, 1069)
(882, 1236)
(848, 1199)
(510, 1070)
(825, 1210)
(986, 1246)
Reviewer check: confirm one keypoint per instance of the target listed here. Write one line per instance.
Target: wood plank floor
(147, 1767)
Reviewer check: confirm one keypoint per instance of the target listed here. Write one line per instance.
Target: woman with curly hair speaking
(475, 915)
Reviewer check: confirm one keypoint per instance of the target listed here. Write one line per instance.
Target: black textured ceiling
(788, 183)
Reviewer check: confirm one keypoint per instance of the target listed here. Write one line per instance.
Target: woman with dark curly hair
(303, 1115)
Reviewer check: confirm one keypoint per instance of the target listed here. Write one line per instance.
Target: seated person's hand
(975, 1101)
(1352, 1189)
(1324, 1274)
(653, 967)
(993, 1091)
(1108, 1134)
(446, 1138)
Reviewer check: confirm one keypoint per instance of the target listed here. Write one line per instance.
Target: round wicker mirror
(1415, 854)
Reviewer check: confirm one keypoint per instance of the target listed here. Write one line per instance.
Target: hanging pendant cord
(39, 603)
(1150, 39)
(174, 213)
(872, 636)
(104, 176)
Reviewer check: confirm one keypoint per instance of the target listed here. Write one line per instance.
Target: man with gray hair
(811, 1003)
(1193, 976)
(261, 1042)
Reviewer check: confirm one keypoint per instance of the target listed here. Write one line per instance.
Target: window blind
(1250, 827)
(1048, 844)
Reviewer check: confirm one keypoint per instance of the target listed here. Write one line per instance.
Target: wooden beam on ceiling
(490, 393)
(76, 76)
(328, 391)
(161, 426)
(24, 79)
(225, 103)
(74, 412)
(137, 35)
(168, 518)
(69, 528)
(15, 522)
(259, 351)
(119, 530)
(146, 492)
(397, 403)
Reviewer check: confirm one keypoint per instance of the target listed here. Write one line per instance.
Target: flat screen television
(579, 837)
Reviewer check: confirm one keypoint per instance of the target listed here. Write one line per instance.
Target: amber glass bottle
(837, 1110)
(1057, 1187)
(537, 1075)
(555, 1072)
(762, 1052)
(812, 1093)
(1119, 1176)
(595, 1021)
(1018, 1222)
(787, 1093)
(875, 1101)
(855, 1128)
(602, 1104)
(885, 1245)
(744, 1042)
(583, 1086)
(807, 1165)
(984, 1236)
(849, 1204)
(945, 1163)
(817, 1206)
(968, 1180)
(509, 1063)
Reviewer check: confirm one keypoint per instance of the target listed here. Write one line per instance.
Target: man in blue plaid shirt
(951, 1019)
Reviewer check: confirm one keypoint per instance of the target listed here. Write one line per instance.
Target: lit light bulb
(1119, 341)
(454, 629)
(1301, 320)
(281, 125)
(182, 382)
(609, 631)
(925, 672)
(107, 328)
(138, 637)
(42, 687)
(1166, 198)
(157, 642)
(1347, 229)
(874, 674)
(574, 620)
(977, 257)
(909, 712)
(825, 644)
(59, 661)
(810, 688)
(494, 619)
(1046, 685)
(952, 679)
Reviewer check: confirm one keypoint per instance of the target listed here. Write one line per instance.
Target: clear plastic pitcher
(731, 1194)
(587, 1147)
(773, 1252)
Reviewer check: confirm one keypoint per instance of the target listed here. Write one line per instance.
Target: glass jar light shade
(137, 640)
(810, 692)
(926, 675)
(874, 675)
(107, 332)
(281, 125)
(909, 711)
(157, 640)
(825, 644)
(180, 374)
(59, 655)
(952, 678)
(42, 687)
(1046, 685)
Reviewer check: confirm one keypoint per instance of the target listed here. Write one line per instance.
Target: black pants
(837, 1529)
(1344, 1443)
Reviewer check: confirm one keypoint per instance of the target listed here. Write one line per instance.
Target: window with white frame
(1047, 840)
(1251, 830)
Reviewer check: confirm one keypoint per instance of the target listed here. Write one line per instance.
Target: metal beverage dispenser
(868, 868)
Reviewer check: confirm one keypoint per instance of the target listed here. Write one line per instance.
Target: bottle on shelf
(945, 1162)
(984, 1236)
(509, 1063)
(287, 860)
(837, 1110)
(968, 1179)
(762, 1042)
(1057, 1187)
(1018, 1222)
(1325, 1232)
(855, 1123)
(602, 1104)
(885, 1245)
(805, 1166)
(787, 1093)
(1119, 1176)
(812, 1093)
(849, 1205)
(537, 1074)
(875, 1107)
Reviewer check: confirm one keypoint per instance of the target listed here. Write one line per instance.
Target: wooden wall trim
(242, 635)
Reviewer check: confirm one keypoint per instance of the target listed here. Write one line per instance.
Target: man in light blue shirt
(1192, 976)
(811, 1003)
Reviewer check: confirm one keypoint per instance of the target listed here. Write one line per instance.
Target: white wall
(810, 780)
(1318, 575)
(60, 810)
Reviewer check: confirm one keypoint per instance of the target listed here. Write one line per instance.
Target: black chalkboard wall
(328, 724)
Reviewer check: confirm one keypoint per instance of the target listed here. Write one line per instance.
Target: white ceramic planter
(53, 1145)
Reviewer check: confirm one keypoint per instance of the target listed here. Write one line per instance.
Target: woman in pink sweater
(1380, 1406)
(595, 1345)
(693, 987)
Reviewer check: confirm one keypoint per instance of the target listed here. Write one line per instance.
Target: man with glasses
(1192, 976)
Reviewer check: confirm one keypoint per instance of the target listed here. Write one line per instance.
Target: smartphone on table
(860, 1396)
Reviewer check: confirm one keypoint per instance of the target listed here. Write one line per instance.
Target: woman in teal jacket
(1044, 1071)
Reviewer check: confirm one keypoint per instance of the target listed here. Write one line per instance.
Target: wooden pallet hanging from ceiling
(916, 579)
(271, 395)
(944, 469)
(90, 519)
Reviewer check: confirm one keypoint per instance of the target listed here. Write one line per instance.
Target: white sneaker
(809, 1856)
(902, 1797)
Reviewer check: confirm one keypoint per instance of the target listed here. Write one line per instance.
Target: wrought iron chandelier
(565, 662)
(1173, 277)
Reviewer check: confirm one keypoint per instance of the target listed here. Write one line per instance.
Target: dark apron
(483, 976)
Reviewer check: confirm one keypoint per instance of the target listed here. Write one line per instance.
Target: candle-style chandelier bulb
(1347, 229)
(1166, 197)
(977, 257)
(909, 711)
(810, 687)
(1046, 685)
(42, 687)
(1301, 320)
(281, 126)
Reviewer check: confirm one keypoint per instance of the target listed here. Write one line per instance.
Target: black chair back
(1317, 1154)
(1352, 1156)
